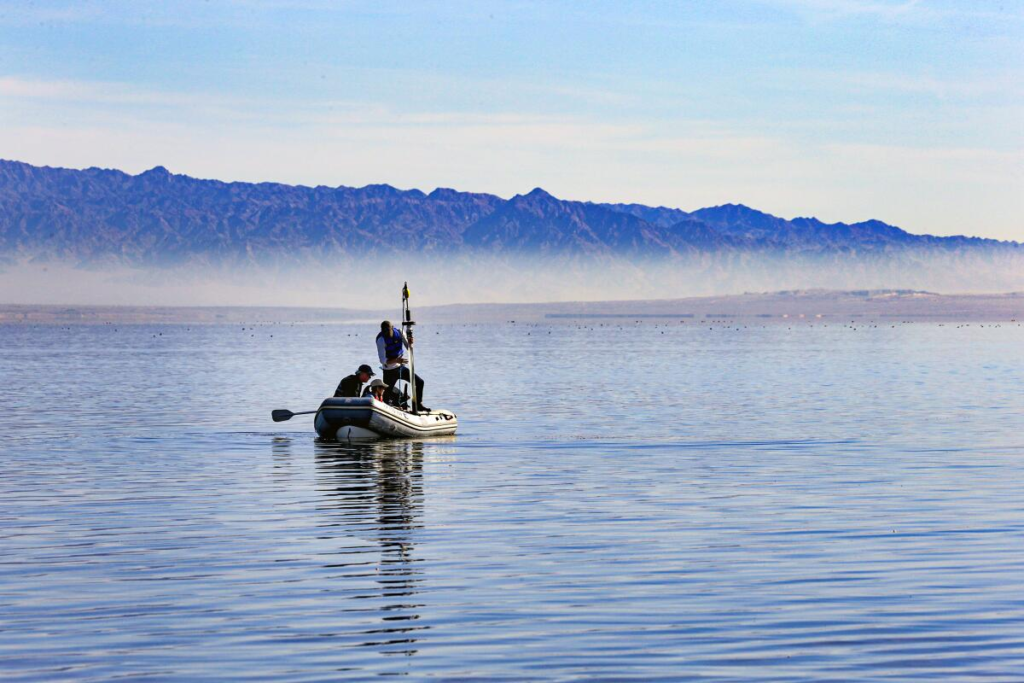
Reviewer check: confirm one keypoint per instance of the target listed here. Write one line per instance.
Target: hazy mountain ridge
(156, 217)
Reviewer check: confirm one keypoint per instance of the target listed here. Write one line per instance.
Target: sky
(907, 111)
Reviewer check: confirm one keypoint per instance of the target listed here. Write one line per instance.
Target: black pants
(402, 372)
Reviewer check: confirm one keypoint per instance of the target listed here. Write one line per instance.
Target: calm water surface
(646, 501)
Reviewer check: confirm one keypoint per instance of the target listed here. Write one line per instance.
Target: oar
(281, 414)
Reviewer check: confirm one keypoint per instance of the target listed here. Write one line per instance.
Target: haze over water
(656, 500)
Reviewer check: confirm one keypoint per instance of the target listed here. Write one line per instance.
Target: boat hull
(345, 419)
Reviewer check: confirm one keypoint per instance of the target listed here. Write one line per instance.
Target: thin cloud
(901, 11)
(99, 92)
(972, 164)
(838, 9)
(1000, 83)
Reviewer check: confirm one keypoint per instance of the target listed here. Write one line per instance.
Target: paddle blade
(281, 415)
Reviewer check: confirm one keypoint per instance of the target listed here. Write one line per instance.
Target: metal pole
(407, 323)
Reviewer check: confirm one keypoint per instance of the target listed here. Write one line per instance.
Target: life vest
(393, 347)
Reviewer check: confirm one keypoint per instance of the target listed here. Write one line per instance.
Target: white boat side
(348, 418)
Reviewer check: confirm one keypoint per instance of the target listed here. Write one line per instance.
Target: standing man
(391, 346)
(350, 386)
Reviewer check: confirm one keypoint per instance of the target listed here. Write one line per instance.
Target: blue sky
(911, 112)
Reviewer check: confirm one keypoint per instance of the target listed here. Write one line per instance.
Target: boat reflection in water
(374, 492)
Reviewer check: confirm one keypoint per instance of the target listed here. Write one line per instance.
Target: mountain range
(96, 216)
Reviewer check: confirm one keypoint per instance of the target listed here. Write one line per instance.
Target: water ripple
(795, 506)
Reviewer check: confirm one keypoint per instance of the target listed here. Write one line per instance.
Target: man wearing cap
(391, 346)
(349, 386)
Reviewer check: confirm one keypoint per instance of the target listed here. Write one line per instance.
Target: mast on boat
(407, 324)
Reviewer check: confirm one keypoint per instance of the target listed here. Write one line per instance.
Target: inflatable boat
(347, 419)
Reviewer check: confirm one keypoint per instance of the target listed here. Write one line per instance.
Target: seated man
(349, 386)
(376, 390)
(391, 346)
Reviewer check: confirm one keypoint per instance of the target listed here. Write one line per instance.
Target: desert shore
(784, 306)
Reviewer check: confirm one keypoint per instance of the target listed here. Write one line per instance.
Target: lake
(626, 500)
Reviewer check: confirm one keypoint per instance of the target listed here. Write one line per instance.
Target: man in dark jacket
(350, 386)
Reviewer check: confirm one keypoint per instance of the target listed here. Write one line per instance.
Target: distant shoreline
(787, 306)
